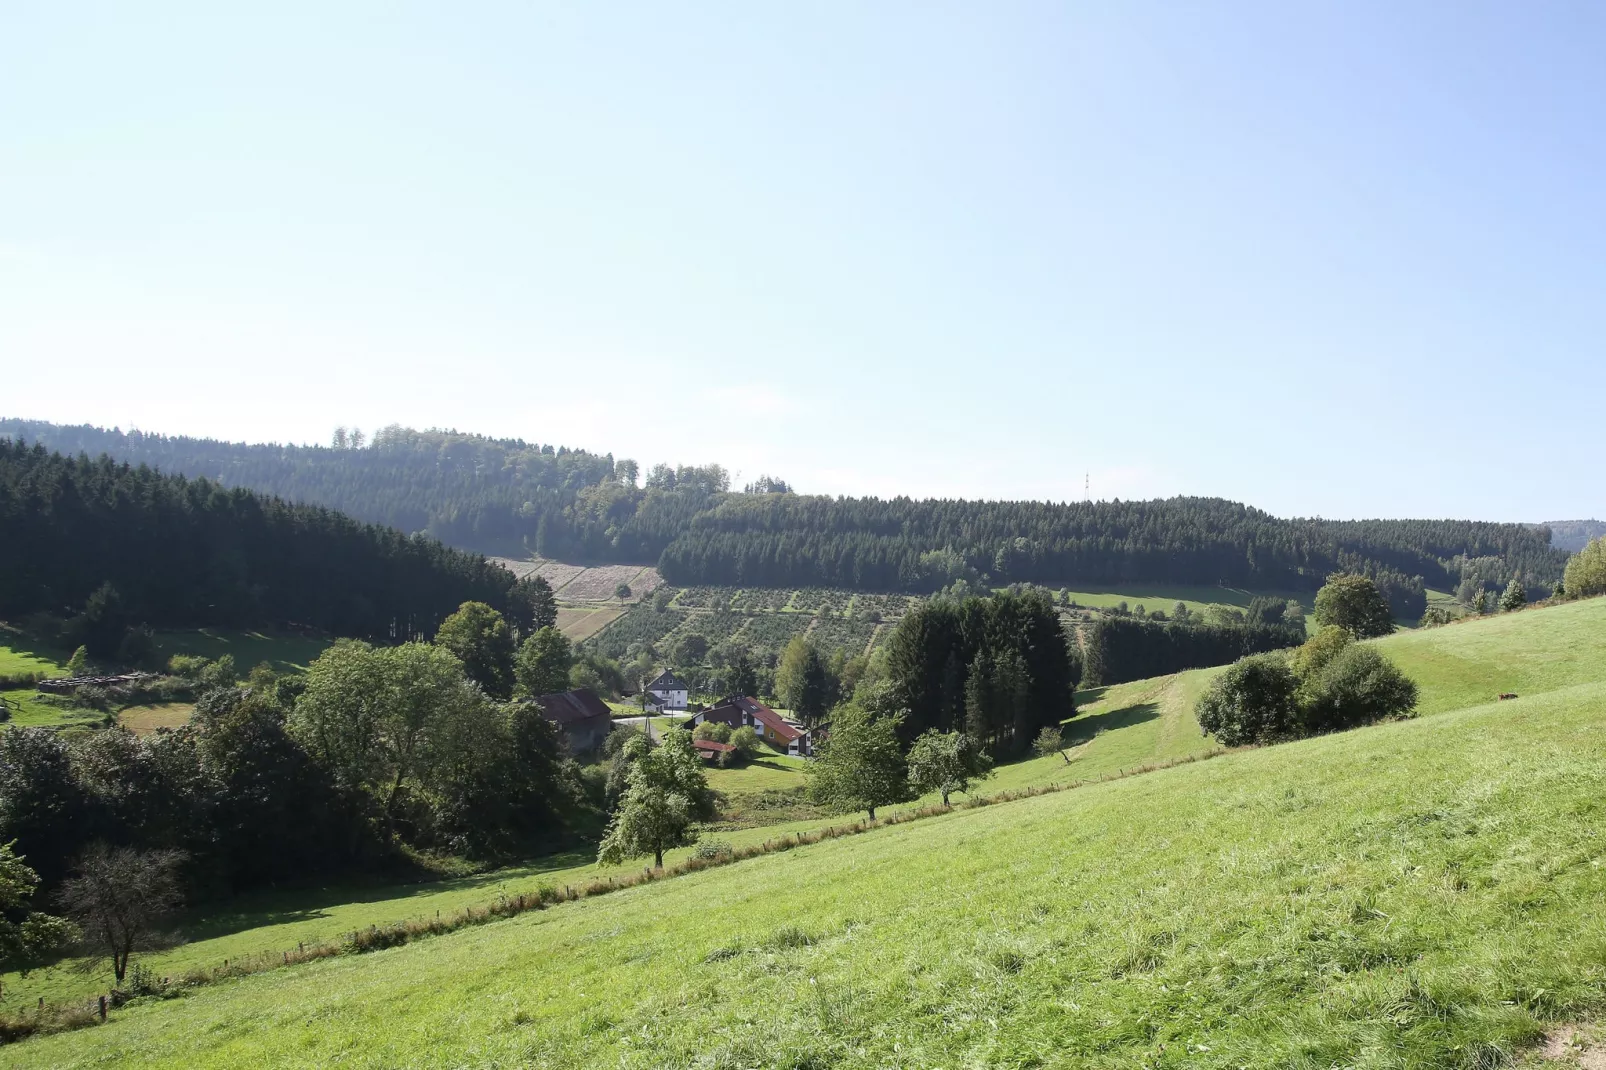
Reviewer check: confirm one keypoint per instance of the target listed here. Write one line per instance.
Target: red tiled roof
(572, 707)
(713, 746)
(768, 717)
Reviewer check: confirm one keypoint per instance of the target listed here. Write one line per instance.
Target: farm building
(712, 750)
(582, 717)
(669, 690)
(740, 711)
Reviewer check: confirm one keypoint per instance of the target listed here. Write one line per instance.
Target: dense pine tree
(112, 545)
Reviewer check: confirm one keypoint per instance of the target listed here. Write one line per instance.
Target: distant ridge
(1574, 535)
(513, 498)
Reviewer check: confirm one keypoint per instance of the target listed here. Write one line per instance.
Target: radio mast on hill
(1087, 483)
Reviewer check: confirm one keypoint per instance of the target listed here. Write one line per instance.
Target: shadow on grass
(1090, 695)
(22, 643)
(1079, 730)
(257, 909)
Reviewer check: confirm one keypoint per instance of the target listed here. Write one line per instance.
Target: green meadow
(1423, 893)
(18, 656)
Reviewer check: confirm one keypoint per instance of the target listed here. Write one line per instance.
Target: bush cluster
(1329, 684)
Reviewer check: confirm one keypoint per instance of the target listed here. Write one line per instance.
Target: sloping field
(586, 584)
(1119, 728)
(581, 624)
(598, 584)
(20, 657)
(1531, 651)
(1419, 894)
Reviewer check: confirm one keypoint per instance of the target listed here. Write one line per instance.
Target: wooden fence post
(103, 1008)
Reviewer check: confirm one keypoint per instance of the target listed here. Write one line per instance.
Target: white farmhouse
(669, 691)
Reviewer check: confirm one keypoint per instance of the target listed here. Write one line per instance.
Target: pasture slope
(1423, 893)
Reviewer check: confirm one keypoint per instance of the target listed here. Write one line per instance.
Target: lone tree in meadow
(1516, 596)
(1049, 740)
(665, 794)
(543, 663)
(482, 641)
(1355, 604)
(946, 762)
(860, 766)
(622, 591)
(119, 896)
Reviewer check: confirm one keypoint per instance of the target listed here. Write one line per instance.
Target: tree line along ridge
(508, 496)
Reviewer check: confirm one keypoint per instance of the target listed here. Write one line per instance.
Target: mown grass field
(143, 720)
(1423, 893)
(580, 624)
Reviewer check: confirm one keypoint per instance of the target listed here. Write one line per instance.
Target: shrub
(1357, 687)
(712, 851)
(219, 673)
(95, 698)
(1048, 741)
(1327, 685)
(745, 740)
(189, 666)
(719, 733)
(1314, 655)
(1251, 702)
(1435, 617)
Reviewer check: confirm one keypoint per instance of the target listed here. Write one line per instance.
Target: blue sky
(1330, 259)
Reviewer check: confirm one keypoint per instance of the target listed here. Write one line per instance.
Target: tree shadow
(1080, 730)
(1089, 695)
(22, 643)
(253, 910)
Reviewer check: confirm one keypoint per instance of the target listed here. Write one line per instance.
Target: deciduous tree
(119, 896)
(665, 794)
(543, 663)
(27, 936)
(1354, 603)
(946, 762)
(479, 637)
(861, 765)
(803, 681)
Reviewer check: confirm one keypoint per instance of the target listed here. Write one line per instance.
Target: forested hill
(181, 552)
(512, 497)
(1574, 535)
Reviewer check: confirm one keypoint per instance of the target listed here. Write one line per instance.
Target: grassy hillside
(1423, 893)
(1374, 811)
(17, 656)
